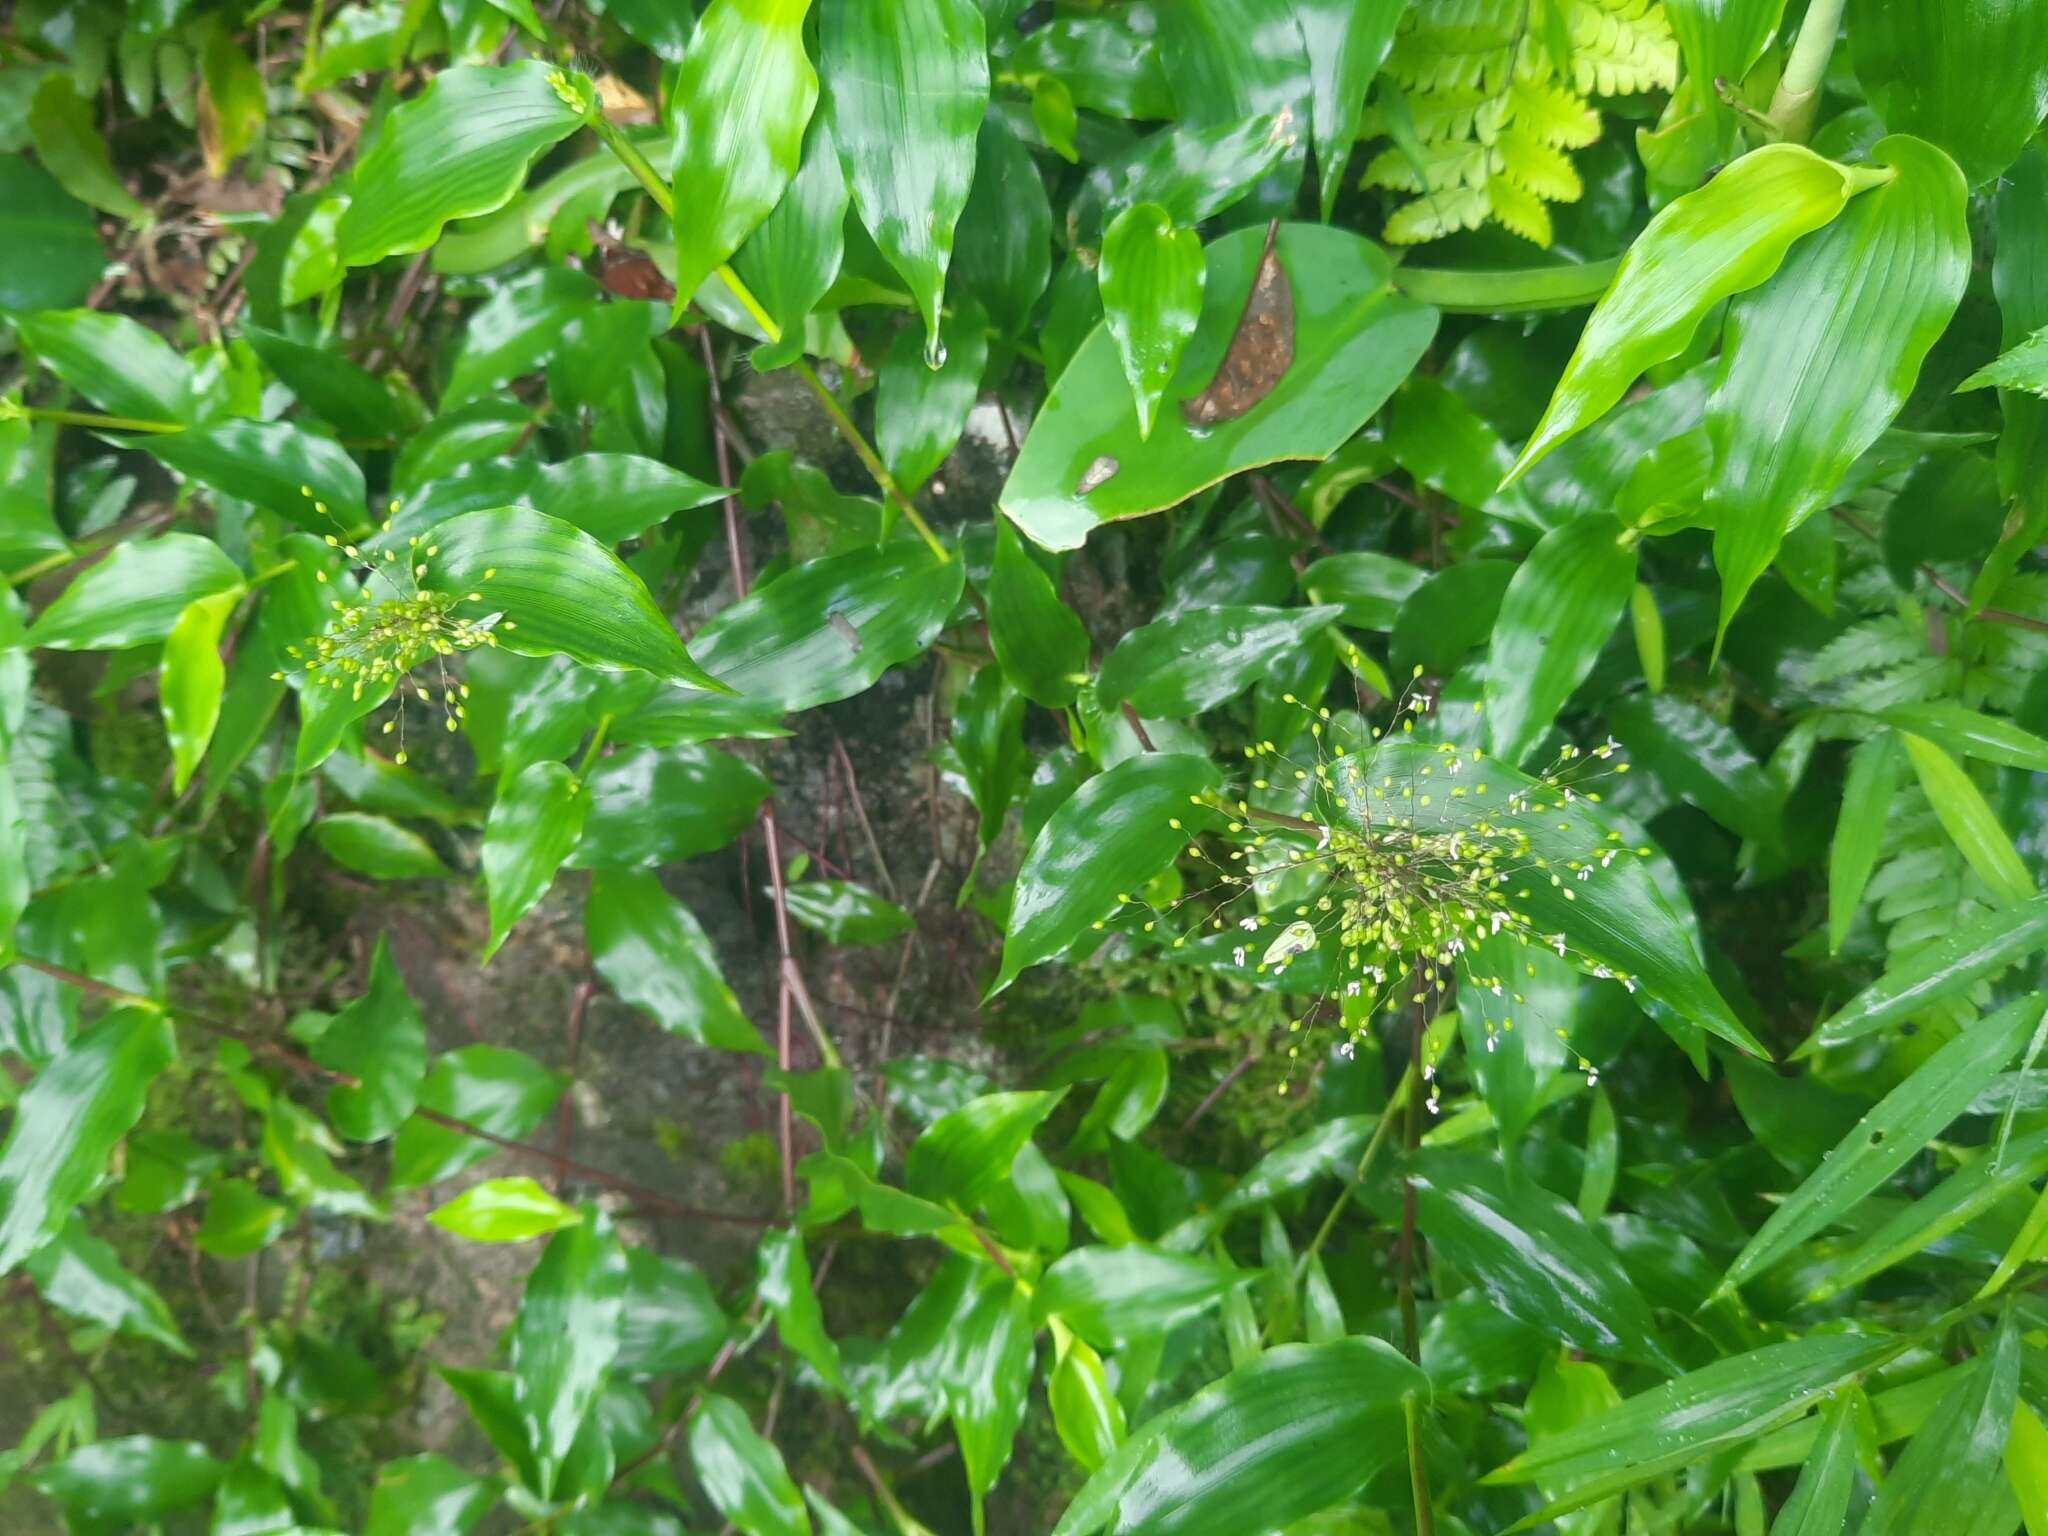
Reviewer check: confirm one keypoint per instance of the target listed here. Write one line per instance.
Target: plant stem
(1798, 93)
(868, 456)
(1395, 1103)
(1411, 1337)
(1566, 286)
(1418, 1471)
(91, 419)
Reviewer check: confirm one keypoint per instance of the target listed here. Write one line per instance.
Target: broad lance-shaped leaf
(1890, 1136)
(920, 411)
(535, 824)
(908, 81)
(743, 1474)
(459, 149)
(1107, 840)
(828, 629)
(1561, 605)
(1983, 946)
(503, 1091)
(566, 1336)
(1622, 915)
(68, 1121)
(428, 1495)
(1346, 41)
(135, 595)
(991, 1357)
(1039, 641)
(1152, 277)
(1819, 1505)
(1796, 402)
(651, 951)
(1684, 1422)
(1534, 1256)
(964, 1154)
(505, 1211)
(614, 496)
(562, 591)
(72, 149)
(119, 364)
(1859, 830)
(1353, 339)
(744, 94)
(1968, 819)
(789, 262)
(193, 678)
(380, 1040)
(1192, 661)
(1112, 1296)
(305, 479)
(1729, 235)
(82, 1275)
(58, 255)
(1256, 1450)
(1948, 1478)
(785, 1289)
(1972, 78)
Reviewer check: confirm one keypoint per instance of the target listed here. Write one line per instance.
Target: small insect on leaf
(1098, 472)
(1261, 350)
(842, 626)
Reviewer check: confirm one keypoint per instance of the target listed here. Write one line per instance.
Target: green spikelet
(1497, 91)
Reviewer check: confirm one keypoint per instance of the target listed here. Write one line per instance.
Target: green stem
(1798, 93)
(1418, 1472)
(1396, 1102)
(868, 456)
(92, 419)
(1510, 292)
(604, 725)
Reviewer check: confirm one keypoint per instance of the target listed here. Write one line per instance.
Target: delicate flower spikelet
(1404, 873)
(380, 636)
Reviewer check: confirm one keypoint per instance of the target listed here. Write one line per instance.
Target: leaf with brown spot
(1261, 350)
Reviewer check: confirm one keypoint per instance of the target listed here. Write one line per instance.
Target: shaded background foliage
(1272, 769)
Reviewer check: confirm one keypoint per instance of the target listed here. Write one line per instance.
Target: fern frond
(1535, 167)
(1545, 110)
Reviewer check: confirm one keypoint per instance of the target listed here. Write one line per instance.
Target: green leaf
(231, 102)
(54, 251)
(1969, 733)
(535, 824)
(1859, 830)
(920, 411)
(1683, 1422)
(1516, 1067)
(562, 591)
(1819, 1505)
(1961, 1198)
(780, 646)
(381, 1040)
(1948, 1477)
(502, 1091)
(566, 1336)
(789, 262)
(1111, 1296)
(744, 94)
(784, 1287)
(1792, 409)
(136, 595)
(1561, 605)
(743, 1474)
(1109, 838)
(334, 387)
(1369, 587)
(459, 149)
(505, 1211)
(1534, 1256)
(1698, 758)
(1038, 640)
(129, 1482)
(193, 679)
(1353, 340)
(651, 952)
(2024, 365)
(672, 1321)
(614, 496)
(1152, 276)
(964, 1154)
(1972, 78)
(2026, 1467)
(78, 1273)
(516, 330)
(117, 363)
(1346, 42)
(239, 1221)
(1085, 1412)
(908, 84)
(992, 1358)
(378, 847)
(1721, 40)
(1979, 947)
(1254, 1450)
(1192, 661)
(67, 1122)
(1969, 820)
(1728, 236)
(988, 734)
(846, 913)
(1002, 252)
(1887, 1138)
(428, 1495)
(69, 144)
(661, 805)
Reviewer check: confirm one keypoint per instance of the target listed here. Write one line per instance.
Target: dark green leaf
(1979, 947)
(785, 1289)
(78, 1273)
(1560, 608)
(789, 262)
(1346, 42)
(1198, 659)
(1110, 1296)
(69, 144)
(652, 953)
(535, 824)
(1949, 1475)
(1039, 641)
(566, 1336)
(1819, 1505)
(502, 1091)
(54, 252)
(427, 1495)
(1972, 78)
(743, 1474)
(672, 1321)
(380, 1040)
(846, 913)
(377, 847)
(131, 1481)
(660, 805)
(135, 595)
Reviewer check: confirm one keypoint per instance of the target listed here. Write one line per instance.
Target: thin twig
(1949, 589)
(860, 811)
(565, 1112)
